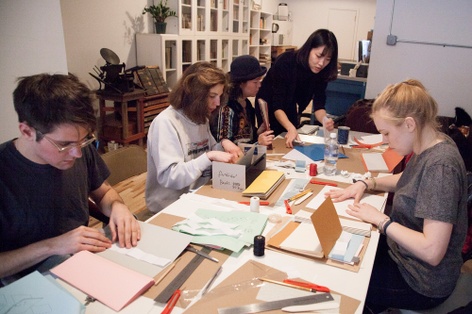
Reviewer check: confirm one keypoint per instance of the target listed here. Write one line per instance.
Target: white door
(343, 23)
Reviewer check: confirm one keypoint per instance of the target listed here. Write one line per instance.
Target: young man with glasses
(47, 175)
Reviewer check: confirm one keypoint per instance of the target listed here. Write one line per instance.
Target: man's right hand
(79, 239)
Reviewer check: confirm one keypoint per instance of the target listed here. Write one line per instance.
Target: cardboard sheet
(199, 277)
(152, 242)
(328, 228)
(242, 287)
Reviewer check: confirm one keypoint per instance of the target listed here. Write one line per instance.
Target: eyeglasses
(66, 147)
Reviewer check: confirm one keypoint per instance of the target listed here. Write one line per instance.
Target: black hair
(321, 37)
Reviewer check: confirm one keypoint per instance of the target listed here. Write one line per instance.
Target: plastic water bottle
(326, 133)
(331, 155)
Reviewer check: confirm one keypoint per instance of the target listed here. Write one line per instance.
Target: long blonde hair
(407, 99)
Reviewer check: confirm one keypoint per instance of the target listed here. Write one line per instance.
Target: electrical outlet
(391, 40)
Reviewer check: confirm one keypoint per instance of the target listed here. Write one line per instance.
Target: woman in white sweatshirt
(180, 144)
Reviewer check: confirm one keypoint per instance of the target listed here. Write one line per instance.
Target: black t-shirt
(40, 201)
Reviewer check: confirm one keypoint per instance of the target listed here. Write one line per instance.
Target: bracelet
(365, 183)
(381, 224)
(385, 226)
(375, 183)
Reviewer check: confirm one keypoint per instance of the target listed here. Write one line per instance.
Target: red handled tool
(307, 285)
(287, 207)
(313, 181)
(172, 301)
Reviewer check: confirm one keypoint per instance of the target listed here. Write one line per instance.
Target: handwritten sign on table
(231, 177)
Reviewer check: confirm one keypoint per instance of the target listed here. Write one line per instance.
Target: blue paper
(315, 151)
(352, 248)
(35, 293)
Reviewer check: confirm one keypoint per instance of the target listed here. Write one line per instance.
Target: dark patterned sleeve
(225, 124)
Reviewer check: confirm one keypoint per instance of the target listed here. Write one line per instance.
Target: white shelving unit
(260, 36)
(216, 31)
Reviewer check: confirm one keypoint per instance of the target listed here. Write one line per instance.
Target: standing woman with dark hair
(295, 79)
(180, 145)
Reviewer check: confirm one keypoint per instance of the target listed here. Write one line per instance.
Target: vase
(160, 27)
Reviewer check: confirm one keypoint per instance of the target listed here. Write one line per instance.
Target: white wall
(34, 39)
(90, 25)
(310, 15)
(445, 71)
(31, 42)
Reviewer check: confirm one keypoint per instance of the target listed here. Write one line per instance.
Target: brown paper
(328, 229)
(198, 279)
(242, 287)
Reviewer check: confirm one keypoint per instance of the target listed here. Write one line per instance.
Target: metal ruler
(179, 280)
(275, 305)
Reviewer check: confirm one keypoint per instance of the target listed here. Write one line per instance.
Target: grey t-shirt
(433, 186)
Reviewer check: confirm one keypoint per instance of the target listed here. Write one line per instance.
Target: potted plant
(159, 14)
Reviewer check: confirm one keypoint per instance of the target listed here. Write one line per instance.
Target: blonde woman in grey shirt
(419, 256)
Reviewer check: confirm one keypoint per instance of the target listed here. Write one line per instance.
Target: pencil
(167, 271)
(286, 284)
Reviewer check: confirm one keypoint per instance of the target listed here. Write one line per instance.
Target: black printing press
(113, 74)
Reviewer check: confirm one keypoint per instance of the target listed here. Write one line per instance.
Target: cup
(343, 134)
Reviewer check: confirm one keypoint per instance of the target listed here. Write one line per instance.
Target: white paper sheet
(341, 207)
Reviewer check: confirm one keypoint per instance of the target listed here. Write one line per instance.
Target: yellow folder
(264, 184)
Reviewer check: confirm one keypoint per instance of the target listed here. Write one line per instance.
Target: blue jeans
(388, 289)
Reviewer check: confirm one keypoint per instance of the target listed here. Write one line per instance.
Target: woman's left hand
(266, 138)
(366, 212)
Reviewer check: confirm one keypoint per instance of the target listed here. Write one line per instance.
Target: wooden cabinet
(125, 117)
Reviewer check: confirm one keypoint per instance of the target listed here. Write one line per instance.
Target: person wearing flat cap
(236, 120)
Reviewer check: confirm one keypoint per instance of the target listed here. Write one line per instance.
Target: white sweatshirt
(176, 161)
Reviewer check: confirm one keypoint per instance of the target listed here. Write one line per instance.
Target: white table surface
(349, 283)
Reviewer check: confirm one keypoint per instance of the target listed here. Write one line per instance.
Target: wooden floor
(132, 192)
